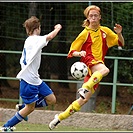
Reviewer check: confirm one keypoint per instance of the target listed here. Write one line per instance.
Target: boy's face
(94, 17)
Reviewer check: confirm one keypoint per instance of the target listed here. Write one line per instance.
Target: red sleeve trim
(70, 54)
(120, 44)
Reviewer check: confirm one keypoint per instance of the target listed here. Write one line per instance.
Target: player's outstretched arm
(53, 33)
(118, 30)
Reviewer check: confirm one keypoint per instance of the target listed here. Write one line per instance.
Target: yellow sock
(74, 107)
(94, 79)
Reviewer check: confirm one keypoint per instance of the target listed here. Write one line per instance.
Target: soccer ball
(79, 70)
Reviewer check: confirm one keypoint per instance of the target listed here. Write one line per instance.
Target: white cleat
(54, 122)
(82, 92)
(7, 129)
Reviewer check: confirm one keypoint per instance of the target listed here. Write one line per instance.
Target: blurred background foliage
(70, 15)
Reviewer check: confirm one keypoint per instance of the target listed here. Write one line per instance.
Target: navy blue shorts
(31, 93)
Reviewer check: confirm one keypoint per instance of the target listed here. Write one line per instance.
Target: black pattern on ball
(79, 70)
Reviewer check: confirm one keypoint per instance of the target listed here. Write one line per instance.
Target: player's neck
(94, 27)
(35, 32)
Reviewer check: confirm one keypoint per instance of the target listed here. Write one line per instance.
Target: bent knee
(51, 100)
(105, 71)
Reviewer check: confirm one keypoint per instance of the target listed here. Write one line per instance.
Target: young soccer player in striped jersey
(91, 45)
(33, 91)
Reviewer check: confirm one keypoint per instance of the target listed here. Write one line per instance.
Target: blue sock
(14, 120)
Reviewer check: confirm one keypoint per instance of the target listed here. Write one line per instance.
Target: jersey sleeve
(112, 38)
(42, 42)
(77, 43)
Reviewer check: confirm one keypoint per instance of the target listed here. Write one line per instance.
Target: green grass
(28, 127)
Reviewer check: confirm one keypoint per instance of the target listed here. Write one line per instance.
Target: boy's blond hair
(86, 13)
(31, 24)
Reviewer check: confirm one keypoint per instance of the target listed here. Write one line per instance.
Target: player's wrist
(79, 54)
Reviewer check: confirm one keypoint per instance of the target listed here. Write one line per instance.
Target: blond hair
(31, 24)
(86, 13)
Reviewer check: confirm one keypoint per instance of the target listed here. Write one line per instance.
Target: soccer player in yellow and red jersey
(91, 45)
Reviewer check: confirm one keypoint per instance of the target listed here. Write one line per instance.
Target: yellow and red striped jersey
(95, 43)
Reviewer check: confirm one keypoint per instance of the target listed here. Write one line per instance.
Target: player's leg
(19, 107)
(72, 108)
(27, 109)
(29, 96)
(98, 72)
(18, 117)
(41, 102)
(46, 96)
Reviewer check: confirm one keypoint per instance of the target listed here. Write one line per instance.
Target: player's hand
(58, 26)
(118, 28)
(82, 53)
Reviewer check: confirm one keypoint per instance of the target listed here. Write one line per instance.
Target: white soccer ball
(79, 70)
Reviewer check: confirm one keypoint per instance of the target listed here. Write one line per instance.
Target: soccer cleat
(54, 122)
(82, 92)
(19, 107)
(7, 129)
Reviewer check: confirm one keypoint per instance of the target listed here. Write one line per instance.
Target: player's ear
(100, 17)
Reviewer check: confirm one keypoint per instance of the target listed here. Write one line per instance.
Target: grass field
(28, 127)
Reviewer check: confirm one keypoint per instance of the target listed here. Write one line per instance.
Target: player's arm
(118, 30)
(53, 33)
(112, 37)
(76, 46)
(79, 54)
